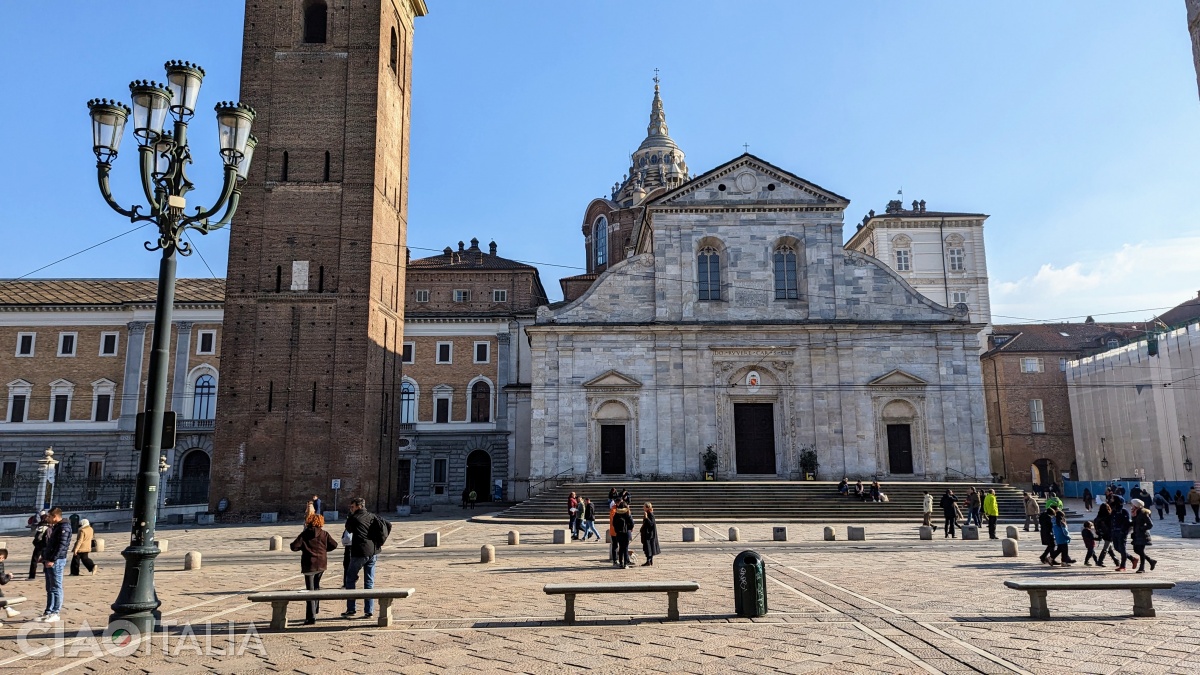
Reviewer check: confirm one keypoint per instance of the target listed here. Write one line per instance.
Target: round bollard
(191, 561)
(1011, 532)
(734, 534)
(276, 543)
(1009, 547)
(98, 545)
(514, 538)
(162, 545)
(829, 535)
(487, 553)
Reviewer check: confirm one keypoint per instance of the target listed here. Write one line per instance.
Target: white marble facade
(641, 361)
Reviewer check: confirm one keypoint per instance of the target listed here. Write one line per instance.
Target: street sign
(168, 431)
(337, 484)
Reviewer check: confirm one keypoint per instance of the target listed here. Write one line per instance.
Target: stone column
(183, 343)
(135, 349)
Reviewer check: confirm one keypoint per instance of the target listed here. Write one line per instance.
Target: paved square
(891, 604)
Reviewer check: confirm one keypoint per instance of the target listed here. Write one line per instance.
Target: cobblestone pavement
(891, 604)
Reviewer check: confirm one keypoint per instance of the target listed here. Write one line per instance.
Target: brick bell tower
(314, 300)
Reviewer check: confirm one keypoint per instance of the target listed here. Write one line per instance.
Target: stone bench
(671, 588)
(279, 601)
(1142, 592)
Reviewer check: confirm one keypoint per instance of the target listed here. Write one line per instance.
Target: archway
(1045, 473)
(193, 478)
(479, 475)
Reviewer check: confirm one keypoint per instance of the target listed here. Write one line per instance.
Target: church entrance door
(612, 449)
(900, 459)
(754, 437)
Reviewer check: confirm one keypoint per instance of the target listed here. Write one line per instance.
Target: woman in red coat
(314, 544)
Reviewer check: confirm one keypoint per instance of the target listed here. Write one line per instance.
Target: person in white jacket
(927, 510)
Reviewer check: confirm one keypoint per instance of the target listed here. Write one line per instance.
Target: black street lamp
(1187, 461)
(163, 157)
(1103, 454)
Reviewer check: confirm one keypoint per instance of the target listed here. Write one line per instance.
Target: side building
(74, 356)
(466, 373)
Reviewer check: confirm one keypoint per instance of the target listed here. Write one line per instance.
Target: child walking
(1062, 539)
(1089, 541)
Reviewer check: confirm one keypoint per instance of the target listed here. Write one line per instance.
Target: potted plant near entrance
(709, 457)
(808, 463)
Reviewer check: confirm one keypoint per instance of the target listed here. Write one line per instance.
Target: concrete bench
(279, 601)
(671, 588)
(1142, 592)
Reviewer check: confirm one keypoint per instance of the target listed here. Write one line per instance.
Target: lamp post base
(136, 608)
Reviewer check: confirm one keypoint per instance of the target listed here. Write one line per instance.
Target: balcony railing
(195, 425)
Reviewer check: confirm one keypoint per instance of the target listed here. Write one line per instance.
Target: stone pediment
(748, 179)
(898, 378)
(612, 380)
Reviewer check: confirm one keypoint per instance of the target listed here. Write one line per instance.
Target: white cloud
(1133, 281)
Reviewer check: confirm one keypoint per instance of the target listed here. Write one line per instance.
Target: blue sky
(1077, 127)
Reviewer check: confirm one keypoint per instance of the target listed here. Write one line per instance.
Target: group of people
(980, 505)
(364, 535)
(582, 523)
(1111, 527)
(873, 493)
(51, 548)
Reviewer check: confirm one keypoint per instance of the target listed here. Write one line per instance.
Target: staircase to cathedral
(759, 501)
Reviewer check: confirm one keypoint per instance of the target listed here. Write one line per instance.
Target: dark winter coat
(58, 542)
(1046, 527)
(649, 532)
(359, 525)
(1142, 524)
(1103, 523)
(947, 503)
(314, 544)
(589, 512)
(622, 521)
(1120, 525)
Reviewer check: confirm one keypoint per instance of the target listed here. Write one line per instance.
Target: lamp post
(163, 159)
(163, 468)
(1103, 455)
(1187, 461)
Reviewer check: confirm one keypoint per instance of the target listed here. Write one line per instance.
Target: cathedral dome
(658, 162)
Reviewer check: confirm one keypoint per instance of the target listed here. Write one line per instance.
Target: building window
(17, 407)
(393, 54)
(958, 259)
(8, 479)
(316, 21)
(482, 352)
(499, 295)
(708, 273)
(462, 295)
(62, 408)
(481, 402)
(958, 298)
(600, 240)
(785, 274)
(1112, 343)
(25, 343)
(1032, 365)
(206, 343)
(422, 296)
(66, 344)
(903, 260)
(445, 352)
(108, 344)
(1037, 416)
(103, 408)
(441, 406)
(408, 403)
(204, 398)
(406, 356)
(1062, 365)
(439, 470)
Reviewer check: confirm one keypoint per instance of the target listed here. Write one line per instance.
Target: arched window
(395, 51)
(316, 20)
(708, 273)
(481, 402)
(408, 403)
(786, 287)
(204, 398)
(600, 240)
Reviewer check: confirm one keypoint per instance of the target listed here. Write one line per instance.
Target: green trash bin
(75, 521)
(749, 584)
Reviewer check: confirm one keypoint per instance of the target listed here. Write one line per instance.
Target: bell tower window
(316, 20)
(600, 239)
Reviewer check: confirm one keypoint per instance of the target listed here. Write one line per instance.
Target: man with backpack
(368, 533)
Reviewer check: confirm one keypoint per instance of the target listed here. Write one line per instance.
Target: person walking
(40, 530)
(1088, 499)
(649, 532)
(1089, 542)
(1103, 523)
(1120, 530)
(82, 551)
(613, 546)
(472, 497)
(1193, 500)
(54, 559)
(1046, 523)
(1142, 524)
(973, 507)
(362, 556)
(314, 544)
(1160, 505)
(949, 504)
(623, 527)
(573, 515)
(466, 495)
(992, 510)
(5, 577)
(317, 506)
(309, 511)
(1053, 501)
(589, 520)
(1062, 539)
(1031, 511)
(1180, 506)
(612, 497)
(927, 511)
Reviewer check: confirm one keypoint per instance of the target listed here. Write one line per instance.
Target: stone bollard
(856, 533)
(689, 534)
(1009, 546)
(487, 554)
(191, 561)
(1011, 532)
(560, 536)
(433, 539)
(607, 537)
(970, 532)
(276, 543)
(926, 533)
(98, 545)
(162, 545)
(829, 535)
(1189, 531)
(779, 533)
(734, 534)
(514, 538)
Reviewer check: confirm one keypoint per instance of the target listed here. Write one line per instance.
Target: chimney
(407, 255)
(492, 248)
(447, 251)
(461, 247)
(922, 206)
(474, 244)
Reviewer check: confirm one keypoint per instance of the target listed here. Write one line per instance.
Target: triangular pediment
(749, 180)
(898, 378)
(612, 379)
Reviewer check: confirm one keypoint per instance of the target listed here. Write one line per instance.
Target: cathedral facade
(723, 312)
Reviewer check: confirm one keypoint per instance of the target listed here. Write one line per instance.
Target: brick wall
(427, 373)
(1015, 447)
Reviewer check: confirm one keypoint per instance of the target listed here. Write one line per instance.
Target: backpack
(378, 531)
